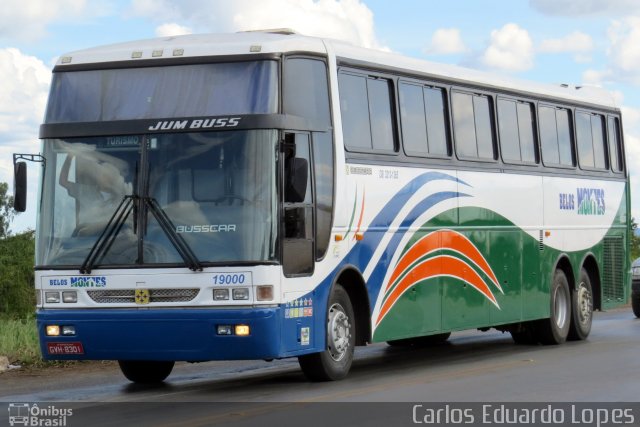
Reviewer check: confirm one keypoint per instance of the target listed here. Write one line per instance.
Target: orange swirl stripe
(442, 265)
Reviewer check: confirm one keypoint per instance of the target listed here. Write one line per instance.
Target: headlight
(52, 297)
(240, 293)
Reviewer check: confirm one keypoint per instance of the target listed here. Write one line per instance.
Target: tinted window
(556, 136)
(355, 112)
(509, 134)
(305, 89)
(473, 126)
(526, 128)
(463, 125)
(412, 115)
(367, 117)
(565, 139)
(614, 144)
(591, 140)
(380, 112)
(159, 92)
(436, 121)
(422, 111)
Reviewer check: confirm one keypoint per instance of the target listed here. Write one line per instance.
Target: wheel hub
(338, 332)
(584, 304)
(560, 307)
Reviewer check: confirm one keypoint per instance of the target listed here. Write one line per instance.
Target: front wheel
(555, 329)
(581, 308)
(146, 371)
(334, 362)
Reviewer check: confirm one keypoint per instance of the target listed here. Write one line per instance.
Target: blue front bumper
(165, 334)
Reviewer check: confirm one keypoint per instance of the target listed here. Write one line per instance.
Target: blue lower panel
(161, 334)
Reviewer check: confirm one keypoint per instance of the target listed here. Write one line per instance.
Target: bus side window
(614, 143)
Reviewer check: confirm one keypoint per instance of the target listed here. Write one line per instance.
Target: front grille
(127, 296)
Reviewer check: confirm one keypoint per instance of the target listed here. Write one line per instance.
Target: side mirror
(297, 180)
(20, 186)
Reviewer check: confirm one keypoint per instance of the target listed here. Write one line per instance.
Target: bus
(266, 195)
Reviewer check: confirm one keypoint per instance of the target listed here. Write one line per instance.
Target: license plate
(65, 348)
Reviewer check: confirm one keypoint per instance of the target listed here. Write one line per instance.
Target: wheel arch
(590, 264)
(352, 281)
(564, 263)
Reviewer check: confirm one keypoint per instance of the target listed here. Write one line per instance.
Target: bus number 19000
(232, 279)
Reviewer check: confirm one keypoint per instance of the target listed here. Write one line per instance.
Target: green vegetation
(18, 334)
(19, 341)
(635, 241)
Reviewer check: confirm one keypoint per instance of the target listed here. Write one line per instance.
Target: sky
(579, 42)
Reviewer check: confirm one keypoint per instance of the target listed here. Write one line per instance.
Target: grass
(19, 341)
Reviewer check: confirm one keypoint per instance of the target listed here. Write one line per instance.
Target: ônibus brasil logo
(26, 414)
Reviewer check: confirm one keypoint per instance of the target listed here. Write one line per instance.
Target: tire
(426, 341)
(334, 362)
(146, 371)
(635, 304)
(581, 308)
(555, 329)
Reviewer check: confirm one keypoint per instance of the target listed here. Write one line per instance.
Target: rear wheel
(146, 371)
(555, 329)
(581, 308)
(334, 362)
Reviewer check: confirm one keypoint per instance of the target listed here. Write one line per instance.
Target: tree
(6, 210)
(634, 245)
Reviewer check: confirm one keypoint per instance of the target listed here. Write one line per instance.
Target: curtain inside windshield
(163, 92)
(217, 189)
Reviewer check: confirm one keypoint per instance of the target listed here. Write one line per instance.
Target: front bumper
(163, 334)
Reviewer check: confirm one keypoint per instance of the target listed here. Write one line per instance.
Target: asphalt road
(472, 367)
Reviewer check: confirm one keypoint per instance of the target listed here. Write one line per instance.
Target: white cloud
(624, 51)
(575, 42)
(24, 86)
(585, 7)
(510, 49)
(28, 20)
(349, 20)
(172, 29)
(446, 41)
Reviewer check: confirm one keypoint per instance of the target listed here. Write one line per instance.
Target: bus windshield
(218, 189)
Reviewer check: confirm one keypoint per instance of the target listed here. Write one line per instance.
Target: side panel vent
(613, 270)
(541, 241)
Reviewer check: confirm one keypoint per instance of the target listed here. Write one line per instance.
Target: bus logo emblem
(142, 296)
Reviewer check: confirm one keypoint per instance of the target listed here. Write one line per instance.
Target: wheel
(145, 371)
(425, 341)
(524, 334)
(555, 329)
(635, 304)
(581, 308)
(334, 362)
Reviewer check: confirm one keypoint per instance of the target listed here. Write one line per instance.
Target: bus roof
(284, 40)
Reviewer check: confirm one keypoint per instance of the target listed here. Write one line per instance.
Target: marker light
(68, 330)
(264, 293)
(240, 293)
(178, 52)
(52, 297)
(224, 330)
(156, 53)
(242, 330)
(136, 54)
(52, 330)
(70, 297)
(220, 294)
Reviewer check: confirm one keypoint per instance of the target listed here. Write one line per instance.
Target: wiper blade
(108, 235)
(176, 240)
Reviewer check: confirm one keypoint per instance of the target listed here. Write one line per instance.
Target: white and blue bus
(267, 195)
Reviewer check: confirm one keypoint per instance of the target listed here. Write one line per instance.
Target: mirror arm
(39, 158)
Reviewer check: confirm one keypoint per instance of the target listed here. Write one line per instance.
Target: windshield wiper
(169, 229)
(117, 220)
(109, 233)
